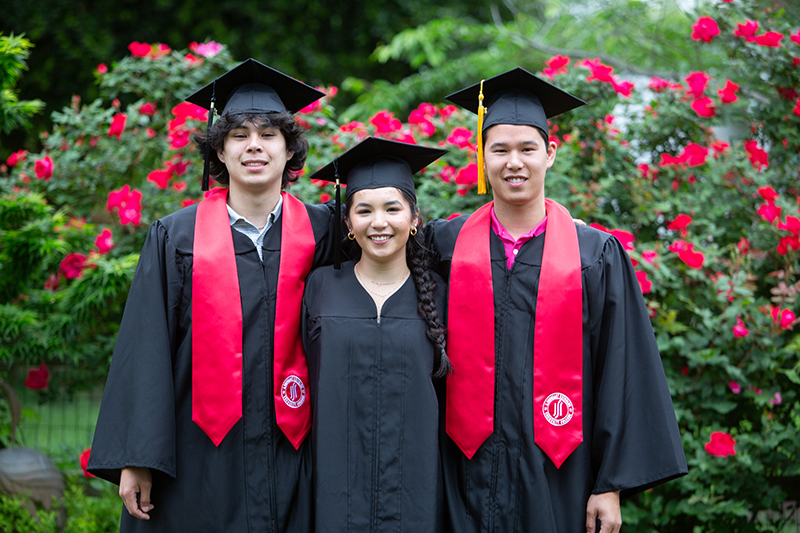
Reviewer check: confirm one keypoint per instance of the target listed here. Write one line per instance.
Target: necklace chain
(362, 278)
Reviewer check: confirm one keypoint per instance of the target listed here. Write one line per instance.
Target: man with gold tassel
(206, 406)
(558, 403)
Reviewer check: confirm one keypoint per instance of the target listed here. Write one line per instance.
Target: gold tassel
(481, 174)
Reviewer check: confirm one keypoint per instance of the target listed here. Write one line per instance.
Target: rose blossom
(705, 29)
(727, 94)
(148, 108)
(759, 158)
(16, 158)
(43, 168)
(645, 284)
(461, 137)
(209, 49)
(747, 30)
(721, 444)
(704, 107)
(38, 379)
(771, 39)
(680, 223)
(739, 331)
(735, 387)
(385, 122)
(117, 125)
(104, 241)
(697, 83)
(84, 460)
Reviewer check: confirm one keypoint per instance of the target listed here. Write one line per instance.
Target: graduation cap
(514, 97)
(252, 87)
(374, 163)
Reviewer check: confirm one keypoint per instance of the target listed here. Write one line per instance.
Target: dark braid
(419, 263)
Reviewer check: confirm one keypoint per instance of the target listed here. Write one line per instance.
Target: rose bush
(697, 176)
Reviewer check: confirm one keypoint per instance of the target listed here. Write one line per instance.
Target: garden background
(689, 152)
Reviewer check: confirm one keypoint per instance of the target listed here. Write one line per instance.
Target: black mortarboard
(374, 163)
(514, 97)
(252, 87)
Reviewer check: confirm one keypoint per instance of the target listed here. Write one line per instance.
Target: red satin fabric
(216, 321)
(290, 385)
(470, 336)
(558, 340)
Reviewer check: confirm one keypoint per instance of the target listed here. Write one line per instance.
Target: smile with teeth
(254, 163)
(379, 238)
(516, 179)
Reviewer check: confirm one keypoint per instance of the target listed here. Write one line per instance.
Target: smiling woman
(375, 343)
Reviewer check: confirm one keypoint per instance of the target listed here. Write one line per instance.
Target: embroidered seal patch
(558, 409)
(293, 392)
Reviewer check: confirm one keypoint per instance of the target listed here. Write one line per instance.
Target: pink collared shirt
(512, 246)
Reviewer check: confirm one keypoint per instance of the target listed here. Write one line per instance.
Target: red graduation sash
(558, 338)
(216, 321)
(217, 325)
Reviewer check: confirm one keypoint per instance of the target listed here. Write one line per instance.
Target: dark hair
(293, 133)
(419, 263)
(545, 135)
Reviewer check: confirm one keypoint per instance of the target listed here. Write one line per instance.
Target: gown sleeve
(136, 423)
(636, 442)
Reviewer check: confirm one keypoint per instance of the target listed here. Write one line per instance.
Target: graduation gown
(255, 481)
(374, 434)
(630, 434)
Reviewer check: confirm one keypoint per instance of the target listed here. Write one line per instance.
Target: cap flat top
(253, 87)
(374, 163)
(516, 97)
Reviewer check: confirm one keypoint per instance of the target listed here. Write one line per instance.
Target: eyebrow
(501, 144)
(386, 204)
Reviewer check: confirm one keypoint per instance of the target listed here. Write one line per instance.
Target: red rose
(721, 444)
(467, 175)
(148, 108)
(104, 241)
(352, 126)
(84, 459)
(102, 68)
(645, 284)
(16, 158)
(705, 29)
(704, 107)
(658, 85)
(38, 379)
(771, 39)
(697, 83)
(694, 155)
(73, 265)
(138, 49)
(739, 331)
(117, 125)
(43, 168)
(680, 223)
(160, 178)
(461, 137)
(385, 122)
(747, 30)
(795, 38)
(758, 157)
(727, 94)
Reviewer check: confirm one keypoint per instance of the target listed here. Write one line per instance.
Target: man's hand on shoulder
(605, 508)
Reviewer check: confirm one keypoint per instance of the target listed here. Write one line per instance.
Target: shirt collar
(234, 217)
(505, 236)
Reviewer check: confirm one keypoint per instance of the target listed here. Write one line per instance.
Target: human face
(381, 220)
(255, 157)
(516, 159)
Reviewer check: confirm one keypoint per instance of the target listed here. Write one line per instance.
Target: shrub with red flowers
(696, 174)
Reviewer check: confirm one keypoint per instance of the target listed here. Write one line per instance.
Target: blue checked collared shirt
(242, 225)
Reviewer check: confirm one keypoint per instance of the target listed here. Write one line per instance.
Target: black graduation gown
(630, 434)
(255, 481)
(374, 435)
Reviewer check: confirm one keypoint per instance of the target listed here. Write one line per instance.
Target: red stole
(558, 338)
(217, 321)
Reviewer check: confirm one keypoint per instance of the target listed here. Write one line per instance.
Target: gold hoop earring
(413, 231)
(351, 235)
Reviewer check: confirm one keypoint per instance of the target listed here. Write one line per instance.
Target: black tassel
(337, 235)
(208, 130)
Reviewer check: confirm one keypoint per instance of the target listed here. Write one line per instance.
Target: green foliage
(14, 51)
(707, 204)
(15, 517)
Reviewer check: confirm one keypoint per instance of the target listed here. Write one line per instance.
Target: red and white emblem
(558, 409)
(293, 392)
